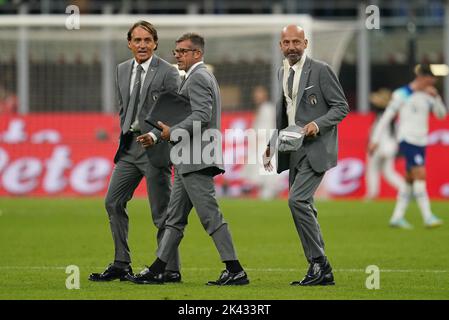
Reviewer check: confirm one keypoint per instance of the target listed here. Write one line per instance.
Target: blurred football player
(413, 103)
(381, 161)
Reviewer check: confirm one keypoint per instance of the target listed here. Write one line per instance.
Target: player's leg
(201, 191)
(300, 201)
(405, 192)
(303, 187)
(178, 211)
(202, 194)
(124, 180)
(159, 190)
(422, 198)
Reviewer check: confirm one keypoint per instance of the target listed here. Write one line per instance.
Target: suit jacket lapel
(281, 100)
(125, 82)
(152, 70)
(202, 65)
(182, 83)
(303, 81)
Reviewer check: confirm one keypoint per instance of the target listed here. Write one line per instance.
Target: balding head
(293, 43)
(293, 29)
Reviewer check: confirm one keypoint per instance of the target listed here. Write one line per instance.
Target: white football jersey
(413, 108)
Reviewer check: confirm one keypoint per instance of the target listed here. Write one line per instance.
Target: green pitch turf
(39, 238)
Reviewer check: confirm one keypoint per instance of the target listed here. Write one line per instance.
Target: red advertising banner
(71, 155)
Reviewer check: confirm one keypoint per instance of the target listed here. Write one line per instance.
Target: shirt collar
(192, 68)
(144, 65)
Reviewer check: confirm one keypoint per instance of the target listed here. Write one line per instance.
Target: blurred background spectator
(48, 71)
(381, 162)
(268, 185)
(8, 101)
(410, 32)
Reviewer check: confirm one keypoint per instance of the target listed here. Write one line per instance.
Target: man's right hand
(266, 157)
(431, 91)
(146, 140)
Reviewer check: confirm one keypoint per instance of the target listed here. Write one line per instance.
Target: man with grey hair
(310, 97)
(138, 82)
(193, 186)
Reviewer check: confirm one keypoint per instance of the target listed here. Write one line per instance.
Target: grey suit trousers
(303, 184)
(131, 167)
(197, 190)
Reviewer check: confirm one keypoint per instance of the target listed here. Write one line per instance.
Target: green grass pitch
(39, 238)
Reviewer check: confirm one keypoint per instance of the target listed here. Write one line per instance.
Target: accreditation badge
(312, 99)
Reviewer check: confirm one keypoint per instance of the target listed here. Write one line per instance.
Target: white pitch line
(247, 269)
(33, 267)
(335, 270)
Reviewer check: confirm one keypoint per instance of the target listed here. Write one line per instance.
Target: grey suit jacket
(161, 76)
(323, 102)
(201, 88)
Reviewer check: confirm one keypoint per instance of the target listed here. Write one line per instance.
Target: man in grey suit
(310, 97)
(193, 186)
(139, 81)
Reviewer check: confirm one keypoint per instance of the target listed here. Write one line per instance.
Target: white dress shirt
(292, 102)
(192, 67)
(145, 67)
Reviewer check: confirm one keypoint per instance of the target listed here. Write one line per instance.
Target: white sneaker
(433, 222)
(401, 224)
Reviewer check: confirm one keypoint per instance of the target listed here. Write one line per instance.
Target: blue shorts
(415, 156)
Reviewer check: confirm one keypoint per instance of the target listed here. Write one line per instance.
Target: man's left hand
(311, 129)
(165, 130)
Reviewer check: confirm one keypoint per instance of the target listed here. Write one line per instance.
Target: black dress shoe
(146, 276)
(111, 273)
(328, 280)
(172, 276)
(230, 279)
(318, 274)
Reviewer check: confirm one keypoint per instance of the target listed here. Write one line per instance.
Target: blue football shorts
(415, 156)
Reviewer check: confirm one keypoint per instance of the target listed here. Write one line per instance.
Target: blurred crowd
(316, 8)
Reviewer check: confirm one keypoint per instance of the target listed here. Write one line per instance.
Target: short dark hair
(195, 38)
(424, 70)
(144, 25)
